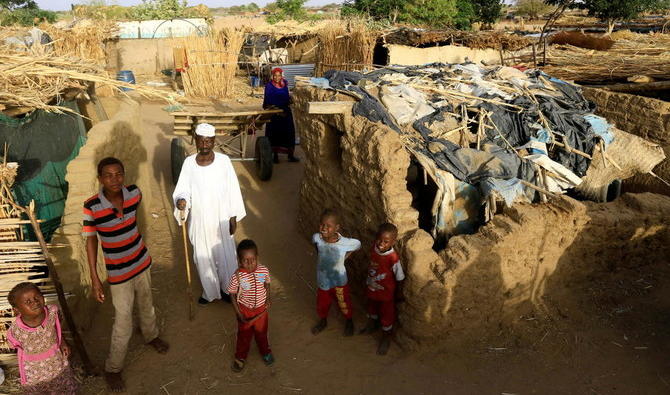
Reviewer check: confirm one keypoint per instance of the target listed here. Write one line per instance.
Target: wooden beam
(224, 114)
(224, 127)
(210, 121)
(16, 221)
(329, 107)
(633, 87)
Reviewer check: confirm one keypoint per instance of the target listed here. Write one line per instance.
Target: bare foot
(160, 346)
(320, 326)
(115, 382)
(384, 344)
(370, 327)
(349, 328)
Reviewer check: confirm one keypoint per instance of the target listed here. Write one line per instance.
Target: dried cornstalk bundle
(636, 54)
(29, 81)
(211, 63)
(346, 46)
(82, 41)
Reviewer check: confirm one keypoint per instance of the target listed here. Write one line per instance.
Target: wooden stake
(535, 187)
(189, 288)
(67, 314)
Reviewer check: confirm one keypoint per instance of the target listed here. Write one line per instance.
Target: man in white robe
(208, 189)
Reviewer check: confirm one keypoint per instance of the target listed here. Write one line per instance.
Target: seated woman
(280, 130)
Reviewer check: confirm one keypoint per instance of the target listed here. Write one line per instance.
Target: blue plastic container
(125, 76)
(255, 81)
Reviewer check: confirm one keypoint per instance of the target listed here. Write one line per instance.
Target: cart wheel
(263, 158)
(177, 156)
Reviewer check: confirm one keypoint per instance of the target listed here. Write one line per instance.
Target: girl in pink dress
(36, 334)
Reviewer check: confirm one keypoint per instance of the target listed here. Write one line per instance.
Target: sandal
(269, 359)
(238, 365)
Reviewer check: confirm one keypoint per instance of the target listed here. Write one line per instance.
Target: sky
(60, 5)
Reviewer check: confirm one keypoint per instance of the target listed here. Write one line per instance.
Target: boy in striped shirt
(111, 216)
(249, 289)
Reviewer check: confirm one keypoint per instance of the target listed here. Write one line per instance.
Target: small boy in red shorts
(250, 292)
(333, 249)
(384, 285)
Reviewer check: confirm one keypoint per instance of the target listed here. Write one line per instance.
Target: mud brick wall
(122, 138)
(642, 116)
(524, 257)
(479, 282)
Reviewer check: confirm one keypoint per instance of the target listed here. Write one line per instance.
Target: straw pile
(632, 54)
(346, 47)
(82, 41)
(29, 82)
(211, 63)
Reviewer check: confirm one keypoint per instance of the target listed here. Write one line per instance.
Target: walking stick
(189, 290)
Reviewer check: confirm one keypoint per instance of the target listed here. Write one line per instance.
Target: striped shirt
(252, 292)
(125, 254)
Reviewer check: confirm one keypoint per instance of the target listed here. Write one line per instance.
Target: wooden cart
(232, 134)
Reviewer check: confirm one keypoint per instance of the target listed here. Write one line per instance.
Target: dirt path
(201, 354)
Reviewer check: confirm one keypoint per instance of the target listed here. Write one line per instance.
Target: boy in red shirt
(384, 285)
(250, 292)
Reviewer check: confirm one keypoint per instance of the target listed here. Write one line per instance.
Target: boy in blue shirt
(331, 275)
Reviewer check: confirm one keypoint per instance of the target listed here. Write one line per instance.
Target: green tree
(159, 9)
(437, 13)
(288, 9)
(23, 12)
(533, 9)
(487, 11)
(16, 4)
(465, 15)
(612, 11)
(253, 7)
(393, 10)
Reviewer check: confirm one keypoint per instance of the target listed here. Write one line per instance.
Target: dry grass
(212, 63)
(347, 46)
(636, 54)
(29, 81)
(82, 41)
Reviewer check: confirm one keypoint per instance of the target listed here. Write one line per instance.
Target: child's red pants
(258, 329)
(384, 310)
(325, 298)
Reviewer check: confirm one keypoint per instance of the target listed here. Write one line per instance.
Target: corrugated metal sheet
(293, 70)
(162, 28)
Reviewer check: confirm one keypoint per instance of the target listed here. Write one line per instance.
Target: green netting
(43, 144)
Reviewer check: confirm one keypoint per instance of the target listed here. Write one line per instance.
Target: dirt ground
(575, 353)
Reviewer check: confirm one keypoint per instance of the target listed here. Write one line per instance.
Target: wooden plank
(13, 221)
(188, 128)
(185, 133)
(25, 244)
(329, 107)
(189, 121)
(637, 87)
(225, 114)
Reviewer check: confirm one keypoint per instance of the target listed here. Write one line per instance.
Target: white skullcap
(205, 130)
